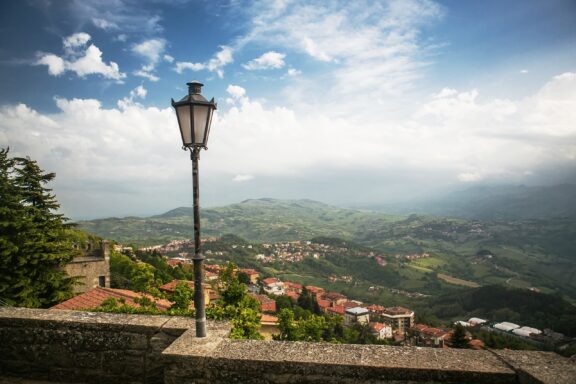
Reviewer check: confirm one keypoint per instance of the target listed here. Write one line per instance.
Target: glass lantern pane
(183, 113)
(200, 119)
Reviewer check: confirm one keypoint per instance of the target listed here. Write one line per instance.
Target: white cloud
(104, 24)
(242, 178)
(76, 40)
(215, 64)
(459, 134)
(168, 58)
(523, 71)
(80, 60)
(367, 50)
(152, 51)
(236, 91)
(292, 72)
(269, 60)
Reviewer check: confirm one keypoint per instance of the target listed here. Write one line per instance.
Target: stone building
(92, 267)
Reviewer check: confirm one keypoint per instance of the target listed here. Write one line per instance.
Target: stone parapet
(85, 347)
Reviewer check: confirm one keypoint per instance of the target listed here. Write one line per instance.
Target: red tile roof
(171, 286)
(250, 272)
(338, 309)
(377, 327)
(270, 280)
(95, 297)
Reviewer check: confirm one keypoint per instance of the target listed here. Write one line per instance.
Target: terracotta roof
(398, 311)
(289, 284)
(323, 303)
(333, 296)
(377, 326)
(270, 280)
(349, 304)
(95, 297)
(338, 309)
(171, 286)
(375, 308)
(314, 289)
(476, 344)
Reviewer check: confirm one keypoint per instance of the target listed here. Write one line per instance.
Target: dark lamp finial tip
(194, 87)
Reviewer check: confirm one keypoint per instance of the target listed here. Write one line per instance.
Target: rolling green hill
(443, 253)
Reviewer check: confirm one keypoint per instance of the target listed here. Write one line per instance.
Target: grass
(456, 281)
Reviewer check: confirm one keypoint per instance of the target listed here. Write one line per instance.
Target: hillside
(425, 254)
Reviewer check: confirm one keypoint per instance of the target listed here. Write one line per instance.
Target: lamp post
(194, 115)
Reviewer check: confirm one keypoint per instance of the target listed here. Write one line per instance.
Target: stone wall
(92, 266)
(83, 347)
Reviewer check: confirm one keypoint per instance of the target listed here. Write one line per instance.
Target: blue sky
(346, 102)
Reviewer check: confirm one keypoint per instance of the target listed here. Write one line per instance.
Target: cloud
(80, 59)
(242, 178)
(152, 51)
(168, 58)
(104, 24)
(523, 71)
(371, 48)
(457, 136)
(112, 15)
(216, 64)
(269, 60)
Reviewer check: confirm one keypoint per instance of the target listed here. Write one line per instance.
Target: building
(252, 274)
(96, 296)
(506, 326)
(334, 297)
(399, 318)
(273, 286)
(355, 315)
(381, 331)
(474, 321)
(526, 331)
(210, 295)
(266, 303)
(92, 267)
(426, 336)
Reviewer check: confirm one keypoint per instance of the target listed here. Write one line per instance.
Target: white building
(381, 331)
(506, 326)
(273, 286)
(473, 321)
(356, 315)
(526, 331)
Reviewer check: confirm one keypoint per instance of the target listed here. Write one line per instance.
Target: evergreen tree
(459, 337)
(35, 242)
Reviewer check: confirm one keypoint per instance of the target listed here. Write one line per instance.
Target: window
(101, 281)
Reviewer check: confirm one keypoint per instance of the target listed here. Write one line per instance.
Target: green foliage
(498, 303)
(459, 339)
(182, 296)
(307, 301)
(497, 340)
(35, 242)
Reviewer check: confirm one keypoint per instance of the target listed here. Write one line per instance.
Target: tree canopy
(35, 241)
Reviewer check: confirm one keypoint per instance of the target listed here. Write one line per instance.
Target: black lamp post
(194, 114)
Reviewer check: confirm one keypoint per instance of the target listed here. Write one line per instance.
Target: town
(395, 325)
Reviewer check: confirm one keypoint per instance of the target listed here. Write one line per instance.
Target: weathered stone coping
(86, 347)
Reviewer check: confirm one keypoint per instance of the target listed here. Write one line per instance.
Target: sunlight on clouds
(80, 60)
(215, 64)
(269, 60)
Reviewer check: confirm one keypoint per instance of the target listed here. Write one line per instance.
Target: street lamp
(194, 115)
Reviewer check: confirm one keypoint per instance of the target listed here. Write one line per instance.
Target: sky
(345, 102)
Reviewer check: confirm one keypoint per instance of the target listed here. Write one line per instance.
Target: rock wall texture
(84, 347)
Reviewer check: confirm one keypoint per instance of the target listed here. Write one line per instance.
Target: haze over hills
(494, 203)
